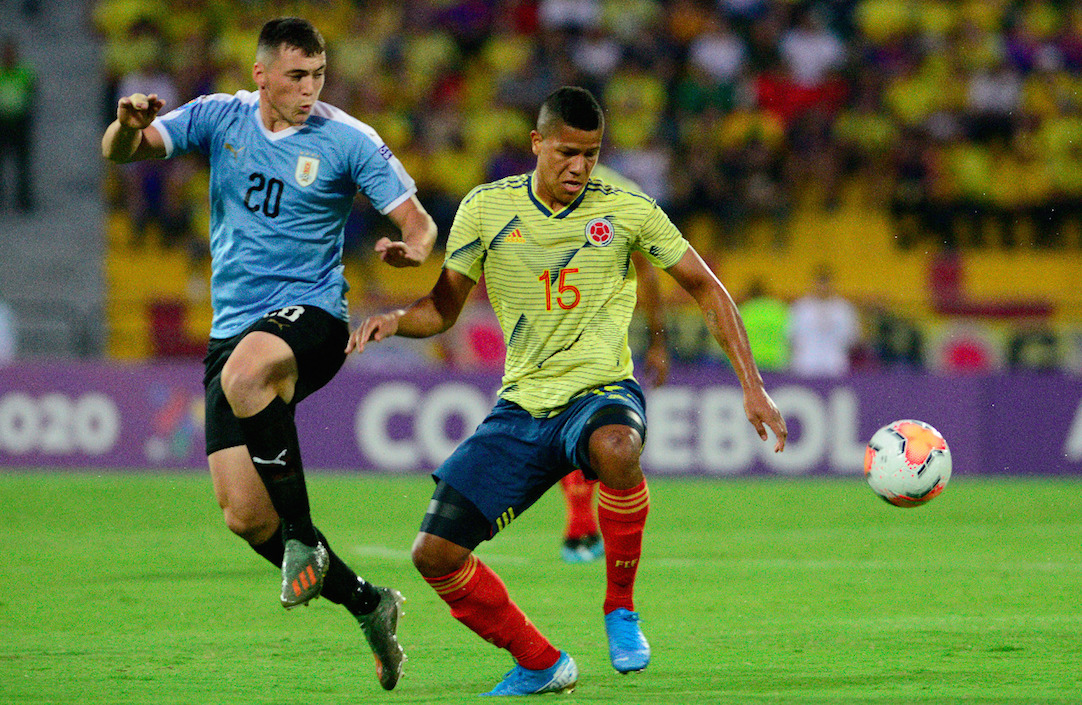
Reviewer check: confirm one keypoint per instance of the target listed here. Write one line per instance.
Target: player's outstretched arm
(656, 359)
(418, 235)
(427, 316)
(724, 322)
(130, 138)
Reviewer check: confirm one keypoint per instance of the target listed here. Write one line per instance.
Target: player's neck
(545, 198)
(271, 120)
(275, 124)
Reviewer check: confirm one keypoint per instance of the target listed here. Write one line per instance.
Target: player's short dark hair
(573, 106)
(292, 31)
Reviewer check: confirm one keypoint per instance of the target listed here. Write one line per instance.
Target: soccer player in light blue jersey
(284, 168)
(554, 247)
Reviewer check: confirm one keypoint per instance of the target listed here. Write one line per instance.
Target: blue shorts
(513, 458)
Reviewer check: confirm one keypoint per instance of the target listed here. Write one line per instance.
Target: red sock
(622, 515)
(579, 493)
(478, 598)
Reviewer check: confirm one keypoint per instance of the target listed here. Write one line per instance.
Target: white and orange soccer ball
(907, 463)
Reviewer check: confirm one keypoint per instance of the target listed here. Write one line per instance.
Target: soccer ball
(907, 463)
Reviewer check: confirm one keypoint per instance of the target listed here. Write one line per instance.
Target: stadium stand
(883, 136)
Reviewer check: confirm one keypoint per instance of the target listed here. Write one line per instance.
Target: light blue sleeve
(382, 178)
(190, 127)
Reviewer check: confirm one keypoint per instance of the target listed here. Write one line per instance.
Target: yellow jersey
(561, 282)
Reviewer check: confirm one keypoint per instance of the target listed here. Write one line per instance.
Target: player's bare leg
(249, 513)
(623, 503)
(245, 504)
(259, 380)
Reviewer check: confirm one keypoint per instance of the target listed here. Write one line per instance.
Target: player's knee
(615, 446)
(240, 380)
(614, 456)
(432, 559)
(252, 526)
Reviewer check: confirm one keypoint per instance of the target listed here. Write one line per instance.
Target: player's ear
(258, 75)
(535, 141)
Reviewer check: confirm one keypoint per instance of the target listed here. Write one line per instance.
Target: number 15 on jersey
(564, 290)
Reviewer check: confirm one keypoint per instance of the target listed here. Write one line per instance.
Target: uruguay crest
(599, 232)
(307, 168)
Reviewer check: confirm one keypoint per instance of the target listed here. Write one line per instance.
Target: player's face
(565, 158)
(289, 85)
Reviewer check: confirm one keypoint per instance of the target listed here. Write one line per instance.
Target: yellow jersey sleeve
(660, 240)
(465, 251)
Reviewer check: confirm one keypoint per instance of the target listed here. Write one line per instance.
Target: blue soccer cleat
(628, 649)
(561, 677)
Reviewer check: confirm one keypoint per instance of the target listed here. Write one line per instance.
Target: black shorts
(318, 341)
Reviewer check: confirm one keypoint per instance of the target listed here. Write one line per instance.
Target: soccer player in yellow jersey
(555, 247)
(582, 541)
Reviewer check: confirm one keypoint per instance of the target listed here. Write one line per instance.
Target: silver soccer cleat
(380, 627)
(303, 568)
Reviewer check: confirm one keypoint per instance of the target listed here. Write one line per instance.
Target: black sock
(341, 585)
(271, 437)
(344, 587)
(363, 599)
(273, 549)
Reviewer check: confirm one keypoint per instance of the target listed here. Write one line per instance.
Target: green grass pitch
(127, 588)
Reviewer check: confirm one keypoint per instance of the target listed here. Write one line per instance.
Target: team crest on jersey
(307, 168)
(599, 232)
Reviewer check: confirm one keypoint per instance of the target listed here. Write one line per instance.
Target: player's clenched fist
(374, 328)
(137, 111)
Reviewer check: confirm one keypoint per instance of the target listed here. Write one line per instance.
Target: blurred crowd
(732, 111)
(960, 119)
(820, 334)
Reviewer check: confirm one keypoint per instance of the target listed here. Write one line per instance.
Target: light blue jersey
(279, 201)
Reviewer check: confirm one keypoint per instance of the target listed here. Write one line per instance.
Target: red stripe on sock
(479, 599)
(622, 517)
